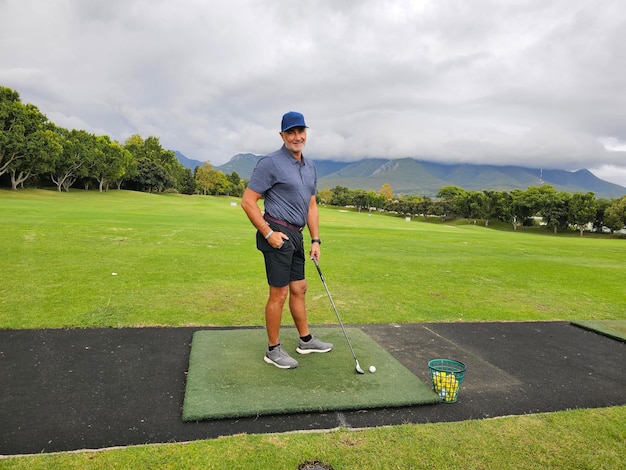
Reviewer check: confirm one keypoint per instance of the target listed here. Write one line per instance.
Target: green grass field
(181, 260)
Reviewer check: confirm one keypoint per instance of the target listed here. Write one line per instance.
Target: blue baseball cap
(292, 119)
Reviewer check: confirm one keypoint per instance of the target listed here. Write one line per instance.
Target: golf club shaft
(334, 308)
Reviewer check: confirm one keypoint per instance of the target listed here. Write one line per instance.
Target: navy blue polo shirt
(286, 184)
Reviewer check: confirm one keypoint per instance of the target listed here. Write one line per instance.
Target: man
(288, 183)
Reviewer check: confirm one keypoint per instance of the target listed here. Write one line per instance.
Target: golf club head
(358, 368)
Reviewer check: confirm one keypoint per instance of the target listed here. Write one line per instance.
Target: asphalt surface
(64, 390)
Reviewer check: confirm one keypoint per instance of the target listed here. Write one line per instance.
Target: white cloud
(535, 83)
(613, 144)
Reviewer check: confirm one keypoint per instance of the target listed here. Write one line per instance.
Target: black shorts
(286, 264)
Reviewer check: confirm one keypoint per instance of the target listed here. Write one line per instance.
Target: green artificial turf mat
(611, 328)
(228, 378)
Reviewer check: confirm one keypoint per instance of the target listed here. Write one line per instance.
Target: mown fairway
(181, 260)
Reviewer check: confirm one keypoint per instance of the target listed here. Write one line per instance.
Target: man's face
(294, 139)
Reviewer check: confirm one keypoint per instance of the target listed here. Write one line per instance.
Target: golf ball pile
(446, 385)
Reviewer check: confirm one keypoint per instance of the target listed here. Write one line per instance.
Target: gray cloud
(536, 83)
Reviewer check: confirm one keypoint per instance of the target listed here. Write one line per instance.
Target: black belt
(269, 218)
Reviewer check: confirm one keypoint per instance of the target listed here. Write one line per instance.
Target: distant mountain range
(187, 162)
(408, 176)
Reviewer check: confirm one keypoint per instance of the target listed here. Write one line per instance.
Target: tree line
(36, 152)
(556, 210)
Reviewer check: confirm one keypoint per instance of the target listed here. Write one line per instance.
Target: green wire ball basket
(447, 376)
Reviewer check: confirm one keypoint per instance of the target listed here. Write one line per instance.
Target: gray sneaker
(280, 358)
(315, 345)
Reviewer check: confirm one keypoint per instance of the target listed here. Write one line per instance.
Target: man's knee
(278, 294)
(298, 288)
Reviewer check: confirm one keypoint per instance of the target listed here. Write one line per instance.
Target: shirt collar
(292, 159)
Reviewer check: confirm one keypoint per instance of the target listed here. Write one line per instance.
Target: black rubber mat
(93, 388)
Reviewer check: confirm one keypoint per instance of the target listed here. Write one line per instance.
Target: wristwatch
(316, 240)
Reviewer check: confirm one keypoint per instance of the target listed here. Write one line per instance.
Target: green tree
(450, 192)
(134, 144)
(235, 185)
(128, 169)
(359, 199)
(219, 183)
(440, 208)
(602, 205)
(411, 205)
(521, 207)
(449, 197)
(110, 163)
(150, 177)
(426, 207)
(393, 206)
(550, 205)
(212, 181)
(203, 177)
(341, 196)
(496, 206)
(582, 210)
(615, 214)
(470, 205)
(45, 147)
(167, 159)
(188, 183)
(374, 200)
(11, 114)
(535, 196)
(22, 136)
(78, 147)
(165, 172)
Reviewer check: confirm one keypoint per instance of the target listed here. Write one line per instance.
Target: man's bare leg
(297, 306)
(274, 313)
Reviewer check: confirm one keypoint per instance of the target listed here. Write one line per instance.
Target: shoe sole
(269, 361)
(309, 351)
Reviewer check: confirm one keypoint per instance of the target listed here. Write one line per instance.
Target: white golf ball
(372, 369)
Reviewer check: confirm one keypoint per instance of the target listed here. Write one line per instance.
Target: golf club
(358, 367)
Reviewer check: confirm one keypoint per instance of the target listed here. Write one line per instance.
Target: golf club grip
(317, 266)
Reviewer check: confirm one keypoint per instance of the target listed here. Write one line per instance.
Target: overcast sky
(537, 83)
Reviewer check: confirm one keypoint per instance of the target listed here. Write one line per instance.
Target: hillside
(187, 162)
(411, 176)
